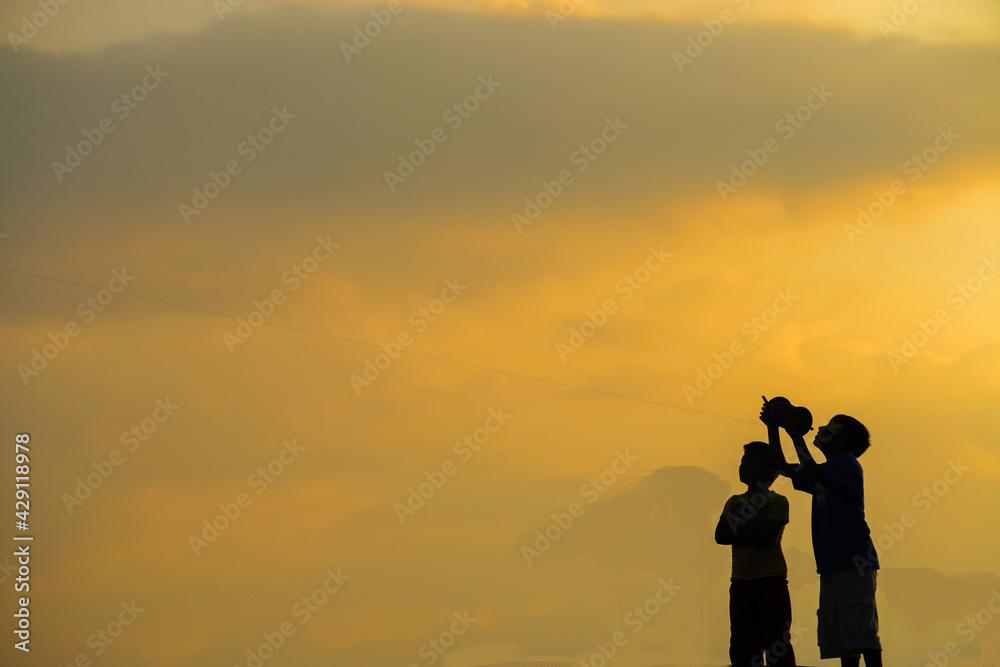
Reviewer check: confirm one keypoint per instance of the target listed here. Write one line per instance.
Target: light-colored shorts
(847, 618)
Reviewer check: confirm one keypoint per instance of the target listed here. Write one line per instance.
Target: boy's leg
(775, 613)
(858, 616)
(873, 658)
(744, 646)
(828, 618)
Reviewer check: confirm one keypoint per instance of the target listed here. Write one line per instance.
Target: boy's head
(756, 466)
(842, 434)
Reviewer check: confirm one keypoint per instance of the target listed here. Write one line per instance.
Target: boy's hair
(762, 450)
(852, 433)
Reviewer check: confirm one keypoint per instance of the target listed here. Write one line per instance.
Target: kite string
(361, 342)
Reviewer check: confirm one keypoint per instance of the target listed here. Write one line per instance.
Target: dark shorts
(760, 615)
(847, 618)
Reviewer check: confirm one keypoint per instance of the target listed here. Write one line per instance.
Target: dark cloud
(556, 89)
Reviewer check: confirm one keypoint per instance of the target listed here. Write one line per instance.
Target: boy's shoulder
(845, 456)
(777, 498)
(770, 496)
(844, 460)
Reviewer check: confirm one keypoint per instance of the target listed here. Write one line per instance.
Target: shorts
(760, 617)
(847, 618)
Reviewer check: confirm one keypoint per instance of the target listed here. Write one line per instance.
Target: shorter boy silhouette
(760, 610)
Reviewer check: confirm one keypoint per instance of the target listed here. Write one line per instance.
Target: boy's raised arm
(811, 469)
(774, 441)
(777, 456)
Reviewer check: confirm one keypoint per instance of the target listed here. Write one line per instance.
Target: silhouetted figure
(845, 556)
(760, 610)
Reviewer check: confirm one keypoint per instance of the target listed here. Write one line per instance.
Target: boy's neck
(833, 451)
(758, 486)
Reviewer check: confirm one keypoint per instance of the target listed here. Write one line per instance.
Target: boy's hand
(768, 416)
(768, 412)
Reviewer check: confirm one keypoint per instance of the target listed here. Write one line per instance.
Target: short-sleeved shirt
(840, 534)
(751, 562)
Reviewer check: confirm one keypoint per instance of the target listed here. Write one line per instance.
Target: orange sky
(564, 195)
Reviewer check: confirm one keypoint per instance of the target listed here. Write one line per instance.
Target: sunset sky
(252, 262)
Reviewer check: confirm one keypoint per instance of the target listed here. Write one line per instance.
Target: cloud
(352, 121)
(323, 175)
